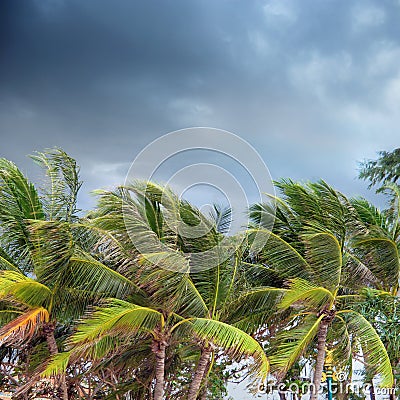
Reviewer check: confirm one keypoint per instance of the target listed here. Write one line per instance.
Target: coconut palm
(140, 230)
(46, 277)
(310, 248)
(377, 241)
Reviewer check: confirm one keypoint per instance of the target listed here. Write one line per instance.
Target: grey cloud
(312, 85)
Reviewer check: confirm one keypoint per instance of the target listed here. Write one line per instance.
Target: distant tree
(384, 170)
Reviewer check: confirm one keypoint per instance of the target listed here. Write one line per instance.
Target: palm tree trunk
(158, 348)
(53, 349)
(203, 390)
(199, 373)
(319, 365)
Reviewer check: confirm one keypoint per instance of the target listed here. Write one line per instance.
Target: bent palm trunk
(319, 365)
(158, 348)
(53, 349)
(199, 373)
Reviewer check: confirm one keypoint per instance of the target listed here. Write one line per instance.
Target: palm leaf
(306, 292)
(374, 351)
(293, 343)
(116, 317)
(57, 364)
(324, 255)
(60, 196)
(24, 327)
(24, 290)
(233, 340)
(381, 255)
(278, 254)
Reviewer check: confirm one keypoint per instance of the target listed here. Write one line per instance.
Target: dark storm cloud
(313, 85)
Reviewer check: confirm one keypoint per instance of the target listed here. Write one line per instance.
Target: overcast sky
(314, 86)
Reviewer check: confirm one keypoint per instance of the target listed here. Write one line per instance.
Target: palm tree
(47, 276)
(178, 300)
(310, 248)
(376, 242)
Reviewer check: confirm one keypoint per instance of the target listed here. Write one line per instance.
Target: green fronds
(324, 255)
(311, 296)
(381, 255)
(60, 195)
(18, 197)
(341, 342)
(294, 342)
(278, 254)
(222, 218)
(57, 364)
(258, 299)
(6, 262)
(16, 286)
(117, 317)
(355, 274)
(368, 214)
(168, 259)
(182, 293)
(232, 340)
(85, 272)
(373, 350)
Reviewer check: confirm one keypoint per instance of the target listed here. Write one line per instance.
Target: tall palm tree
(46, 277)
(310, 248)
(146, 216)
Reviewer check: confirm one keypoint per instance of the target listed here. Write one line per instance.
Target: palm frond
(293, 343)
(22, 328)
(6, 262)
(57, 364)
(22, 289)
(59, 198)
(85, 272)
(307, 293)
(222, 217)
(374, 351)
(278, 254)
(382, 257)
(116, 317)
(233, 340)
(19, 201)
(324, 255)
(368, 213)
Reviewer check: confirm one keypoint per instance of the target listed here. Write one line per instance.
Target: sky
(313, 86)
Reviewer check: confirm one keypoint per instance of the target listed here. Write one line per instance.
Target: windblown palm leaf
(23, 327)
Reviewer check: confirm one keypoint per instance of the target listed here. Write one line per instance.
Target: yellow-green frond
(116, 317)
(374, 351)
(233, 340)
(293, 343)
(307, 293)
